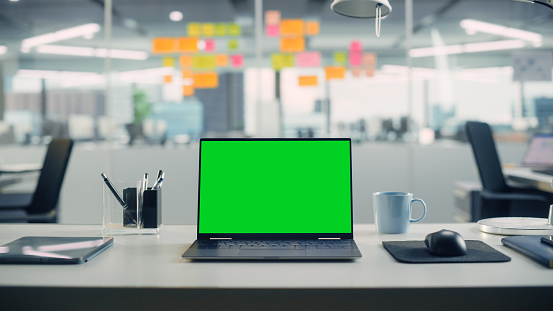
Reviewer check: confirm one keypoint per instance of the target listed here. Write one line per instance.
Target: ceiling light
(467, 48)
(473, 26)
(377, 9)
(52, 74)
(175, 16)
(74, 32)
(146, 73)
(91, 52)
(3, 49)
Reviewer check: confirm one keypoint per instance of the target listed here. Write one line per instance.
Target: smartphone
(548, 240)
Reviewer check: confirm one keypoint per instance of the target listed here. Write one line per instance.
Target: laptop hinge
(329, 238)
(220, 238)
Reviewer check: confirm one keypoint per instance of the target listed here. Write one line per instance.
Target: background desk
(526, 176)
(147, 272)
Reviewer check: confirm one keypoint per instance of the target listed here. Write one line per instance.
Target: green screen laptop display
(275, 186)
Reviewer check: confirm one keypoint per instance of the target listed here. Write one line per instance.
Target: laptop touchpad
(271, 252)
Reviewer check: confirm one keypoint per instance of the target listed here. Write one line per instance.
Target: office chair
(497, 198)
(16, 208)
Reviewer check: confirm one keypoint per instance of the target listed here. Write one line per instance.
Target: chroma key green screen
(275, 186)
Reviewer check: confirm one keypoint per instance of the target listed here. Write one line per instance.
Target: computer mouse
(446, 243)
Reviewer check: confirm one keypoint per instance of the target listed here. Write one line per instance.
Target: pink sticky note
(209, 45)
(308, 59)
(355, 46)
(272, 30)
(237, 60)
(355, 58)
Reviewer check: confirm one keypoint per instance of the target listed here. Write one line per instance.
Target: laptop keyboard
(544, 171)
(278, 244)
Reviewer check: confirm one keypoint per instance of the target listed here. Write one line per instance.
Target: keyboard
(543, 171)
(278, 244)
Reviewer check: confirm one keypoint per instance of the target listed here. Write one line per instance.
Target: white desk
(147, 272)
(526, 176)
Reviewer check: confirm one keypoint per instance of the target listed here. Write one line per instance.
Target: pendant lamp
(363, 9)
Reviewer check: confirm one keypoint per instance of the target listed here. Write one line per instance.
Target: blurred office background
(180, 70)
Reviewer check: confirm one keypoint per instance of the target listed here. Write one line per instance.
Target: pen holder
(133, 214)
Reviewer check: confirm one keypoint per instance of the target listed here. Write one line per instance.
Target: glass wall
(181, 70)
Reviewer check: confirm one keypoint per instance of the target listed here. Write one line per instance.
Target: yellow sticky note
(340, 58)
(335, 72)
(208, 29)
(193, 29)
(187, 45)
(221, 29)
(203, 62)
(234, 30)
(206, 80)
(233, 45)
(168, 62)
(280, 61)
(307, 80)
(292, 44)
(221, 60)
(163, 45)
(291, 27)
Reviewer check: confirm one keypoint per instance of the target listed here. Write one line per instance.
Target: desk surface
(151, 265)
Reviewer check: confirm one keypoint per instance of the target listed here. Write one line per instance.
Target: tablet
(53, 250)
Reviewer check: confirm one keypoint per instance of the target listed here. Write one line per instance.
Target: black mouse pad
(416, 252)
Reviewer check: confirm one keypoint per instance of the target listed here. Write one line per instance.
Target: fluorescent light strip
(3, 49)
(473, 26)
(467, 48)
(146, 73)
(91, 52)
(52, 74)
(74, 32)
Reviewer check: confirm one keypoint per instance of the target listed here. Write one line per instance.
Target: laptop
(539, 154)
(53, 250)
(275, 199)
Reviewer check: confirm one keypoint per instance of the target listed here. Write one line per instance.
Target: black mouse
(446, 243)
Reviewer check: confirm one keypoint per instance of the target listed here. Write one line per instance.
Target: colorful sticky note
(234, 30)
(335, 73)
(340, 58)
(209, 45)
(185, 61)
(355, 58)
(193, 29)
(308, 59)
(355, 46)
(206, 80)
(272, 30)
(312, 28)
(203, 62)
(280, 61)
(208, 29)
(187, 90)
(163, 45)
(272, 17)
(221, 60)
(291, 27)
(187, 75)
(167, 79)
(168, 62)
(292, 44)
(233, 45)
(307, 81)
(369, 63)
(237, 60)
(356, 71)
(187, 44)
(221, 29)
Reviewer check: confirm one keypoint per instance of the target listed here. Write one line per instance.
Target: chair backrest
(49, 183)
(481, 140)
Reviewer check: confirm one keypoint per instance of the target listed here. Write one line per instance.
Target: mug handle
(423, 212)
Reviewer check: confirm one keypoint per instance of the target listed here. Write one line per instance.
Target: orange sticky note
(187, 90)
(206, 80)
(187, 45)
(307, 80)
(272, 17)
(334, 72)
(221, 60)
(185, 61)
(163, 45)
(187, 74)
(167, 79)
(312, 28)
(292, 44)
(291, 27)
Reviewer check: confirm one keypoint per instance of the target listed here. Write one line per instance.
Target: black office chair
(497, 198)
(16, 208)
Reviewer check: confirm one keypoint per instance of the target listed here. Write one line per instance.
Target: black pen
(114, 191)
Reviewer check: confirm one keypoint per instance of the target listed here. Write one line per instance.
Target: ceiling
(136, 22)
